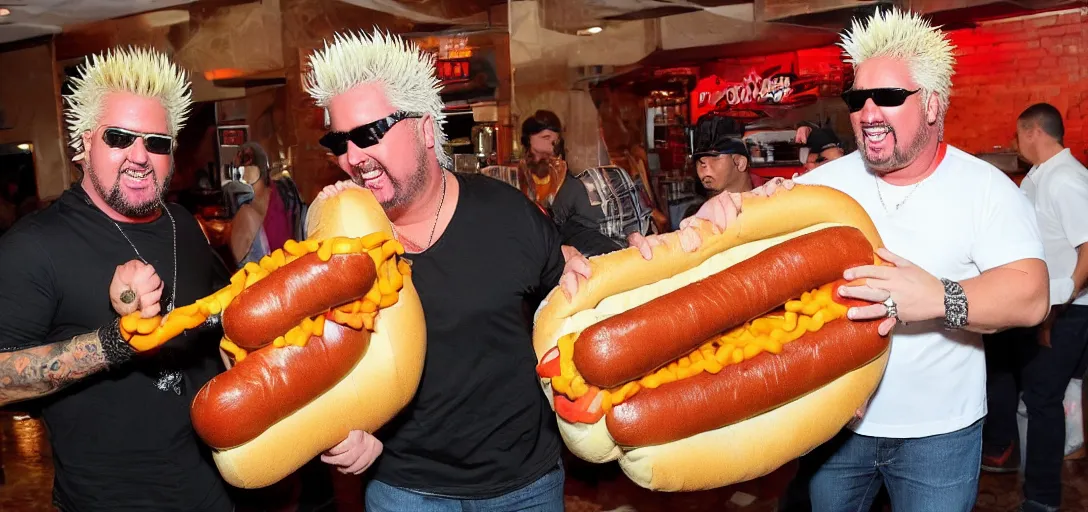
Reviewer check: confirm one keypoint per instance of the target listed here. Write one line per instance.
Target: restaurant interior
(627, 78)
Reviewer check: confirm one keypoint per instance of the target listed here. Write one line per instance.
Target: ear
(933, 108)
(741, 163)
(428, 130)
(86, 144)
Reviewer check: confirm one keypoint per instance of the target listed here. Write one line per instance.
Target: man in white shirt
(1045, 358)
(966, 258)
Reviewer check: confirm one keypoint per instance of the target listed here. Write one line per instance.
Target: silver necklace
(881, 195)
(169, 380)
(430, 239)
(174, 231)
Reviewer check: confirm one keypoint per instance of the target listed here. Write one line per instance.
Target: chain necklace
(169, 379)
(174, 231)
(430, 239)
(881, 195)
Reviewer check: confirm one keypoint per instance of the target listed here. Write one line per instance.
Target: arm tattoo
(40, 371)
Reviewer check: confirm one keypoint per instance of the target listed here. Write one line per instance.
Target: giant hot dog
(699, 370)
(326, 336)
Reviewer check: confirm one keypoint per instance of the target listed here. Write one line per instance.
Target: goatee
(116, 200)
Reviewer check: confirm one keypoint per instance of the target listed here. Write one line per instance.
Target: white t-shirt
(965, 218)
(1059, 190)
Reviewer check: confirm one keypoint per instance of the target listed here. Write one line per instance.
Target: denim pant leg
(381, 497)
(936, 473)
(1045, 377)
(543, 495)
(845, 478)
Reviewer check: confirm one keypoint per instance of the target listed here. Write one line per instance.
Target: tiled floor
(28, 482)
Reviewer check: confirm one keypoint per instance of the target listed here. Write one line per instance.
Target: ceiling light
(4, 12)
(24, 147)
(590, 31)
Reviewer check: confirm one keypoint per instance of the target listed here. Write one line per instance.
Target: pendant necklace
(168, 379)
(174, 237)
(881, 195)
(174, 232)
(438, 213)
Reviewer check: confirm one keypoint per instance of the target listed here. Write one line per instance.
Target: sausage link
(301, 289)
(271, 383)
(640, 340)
(706, 402)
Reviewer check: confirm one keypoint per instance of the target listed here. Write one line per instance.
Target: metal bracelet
(955, 305)
(114, 347)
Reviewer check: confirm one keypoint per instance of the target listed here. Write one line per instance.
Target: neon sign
(754, 89)
(754, 94)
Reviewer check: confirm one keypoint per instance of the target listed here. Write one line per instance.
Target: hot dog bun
(623, 281)
(375, 389)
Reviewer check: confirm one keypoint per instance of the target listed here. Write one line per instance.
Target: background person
(1044, 358)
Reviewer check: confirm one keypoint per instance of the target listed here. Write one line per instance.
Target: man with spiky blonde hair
(118, 420)
(480, 432)
(963, 257)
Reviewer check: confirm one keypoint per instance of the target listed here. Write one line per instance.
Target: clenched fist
(136, 287)
(354, 454)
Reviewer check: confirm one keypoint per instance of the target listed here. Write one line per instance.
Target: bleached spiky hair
(906, 36)
(140, 71)
(406, 74)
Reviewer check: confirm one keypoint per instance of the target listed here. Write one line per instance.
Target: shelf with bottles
(774, 148)
(675, 114)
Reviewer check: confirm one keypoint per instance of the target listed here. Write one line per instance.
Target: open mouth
(137, 174)
(876, 133)
(137, 179)
(368, 178)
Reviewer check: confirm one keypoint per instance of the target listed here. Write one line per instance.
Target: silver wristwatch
(955, 305)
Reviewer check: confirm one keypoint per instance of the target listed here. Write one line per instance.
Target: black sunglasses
(120, 138)
(883, 97)
(366, 135)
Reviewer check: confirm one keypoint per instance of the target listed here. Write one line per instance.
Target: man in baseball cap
(824, 146)
(721, 160)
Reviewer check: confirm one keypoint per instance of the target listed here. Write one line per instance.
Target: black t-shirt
(588, 240)
(119, 442)
(479, 425)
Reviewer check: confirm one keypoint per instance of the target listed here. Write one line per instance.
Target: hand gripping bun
(378, 386)
(700, 370)
(327, 337)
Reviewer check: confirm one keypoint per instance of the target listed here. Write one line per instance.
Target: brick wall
(1002, 68)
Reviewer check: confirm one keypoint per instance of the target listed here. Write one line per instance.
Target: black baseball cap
(821, 139)
(716, 135)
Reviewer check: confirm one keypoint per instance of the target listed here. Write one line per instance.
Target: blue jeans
(543, 495)
(929, 474)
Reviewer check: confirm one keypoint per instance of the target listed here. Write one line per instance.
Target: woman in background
(543, 168)
(268, 217)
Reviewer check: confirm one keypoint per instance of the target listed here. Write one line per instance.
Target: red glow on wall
(222, 74)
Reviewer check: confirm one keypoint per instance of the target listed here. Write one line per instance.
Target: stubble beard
(899, 158)
(404, 191)
(116, 200)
